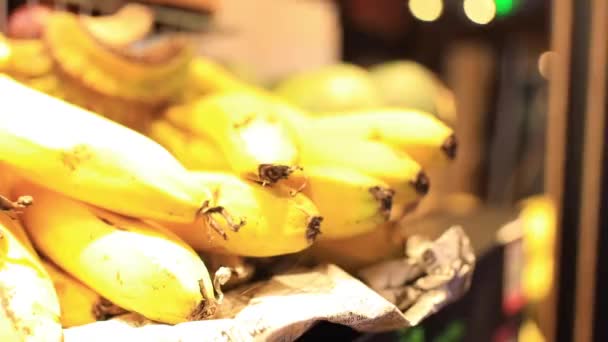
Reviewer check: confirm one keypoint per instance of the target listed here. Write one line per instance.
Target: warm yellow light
(426, 10)
(480, 11)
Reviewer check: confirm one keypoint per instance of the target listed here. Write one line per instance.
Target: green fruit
(333, 88)
(410, 85)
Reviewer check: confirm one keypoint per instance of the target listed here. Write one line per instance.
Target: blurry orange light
(426, 10)
(480, 11)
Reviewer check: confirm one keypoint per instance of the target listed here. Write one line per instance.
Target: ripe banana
(425, 138)
(28, 58)
(142, 269)
(248, 131)
(276, 220)
(153, 76)
(360, 250)
(5, 53)
(373, 158)
(207, 77)
(90, 158)
(79, 304)
(29, 308)
(194, 152)
(350, 201)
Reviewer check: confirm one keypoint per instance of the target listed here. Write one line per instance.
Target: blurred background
(523, 84)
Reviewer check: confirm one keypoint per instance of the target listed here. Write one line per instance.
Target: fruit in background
(247, 129)
(99, 162)
(330, 88)
(79, 304)
(30, 308)
(349, 201)
(28, 21)
(408, 84)
(195, 152)
(422, 136)
(276, 221)
(140, 268)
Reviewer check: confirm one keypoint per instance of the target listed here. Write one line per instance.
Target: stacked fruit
(90, 61)
(235, 170)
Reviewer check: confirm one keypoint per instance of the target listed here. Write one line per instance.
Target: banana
(373, 158)
(153, 76)
(350, 201)
(194, 152)
(29, 308)
(79, 304)
(360, 250)
(142, 269)
(276, 221)
(90, 158)
(5, 53)
(248, 130)
(206, 77)
(425, 138)
(29, 58)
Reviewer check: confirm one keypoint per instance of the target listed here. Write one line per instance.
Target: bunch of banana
(95, 160)
(274, 220)
(138, 267)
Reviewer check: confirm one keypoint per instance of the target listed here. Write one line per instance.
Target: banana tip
(385, 197)
(271, 173)
(450, 147)
(313, 229)
(421, 184)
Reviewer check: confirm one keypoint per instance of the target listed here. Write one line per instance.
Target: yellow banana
(360, 250)
(276, 221)
(153, 76)
(425, 138)
(248, 130)
(29, 58)
(29, 308)
(194, 152)
(373, 158)
(206, 77)
(350, 201)
(142, 269)
(90, 158)
(5, 53)
(79, 304)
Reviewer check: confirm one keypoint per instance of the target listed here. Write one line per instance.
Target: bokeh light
(426, 10)
(480, 11)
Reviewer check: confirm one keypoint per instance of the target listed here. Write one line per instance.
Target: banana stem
(206, 211)
(21, 203)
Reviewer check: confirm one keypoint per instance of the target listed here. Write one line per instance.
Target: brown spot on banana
(385, 197)
(313, 228)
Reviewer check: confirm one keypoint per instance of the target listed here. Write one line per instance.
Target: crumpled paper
(400, 293)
